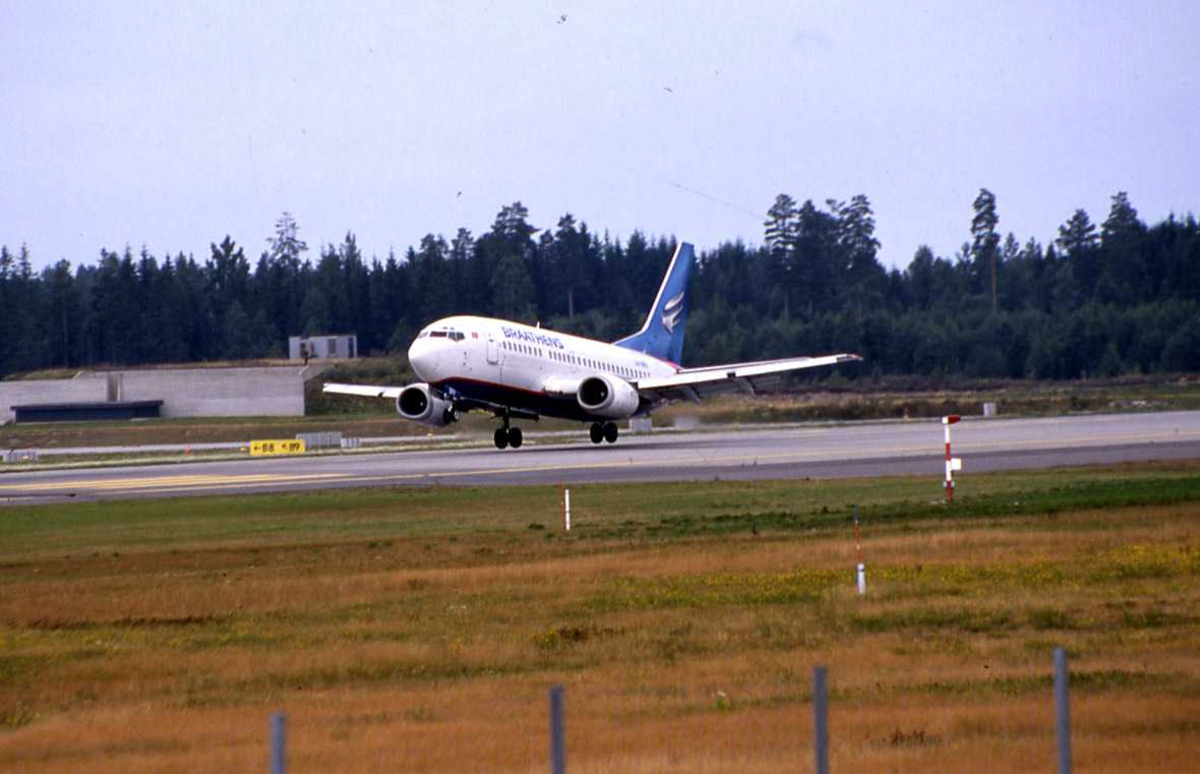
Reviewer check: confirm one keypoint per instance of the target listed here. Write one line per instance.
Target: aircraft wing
(363, 390)
(696, 383)
(464, 404)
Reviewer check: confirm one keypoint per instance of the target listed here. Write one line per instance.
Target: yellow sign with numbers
(288, 446)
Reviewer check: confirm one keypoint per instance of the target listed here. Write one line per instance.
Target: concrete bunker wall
(219, 392)
(85, 388)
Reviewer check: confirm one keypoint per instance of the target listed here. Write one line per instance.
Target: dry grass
(425, 638)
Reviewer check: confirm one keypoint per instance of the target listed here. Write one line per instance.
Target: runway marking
(166, 482)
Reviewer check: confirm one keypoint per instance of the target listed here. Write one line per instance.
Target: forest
(1098, 300)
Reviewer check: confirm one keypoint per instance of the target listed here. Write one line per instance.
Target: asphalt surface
(807, 451)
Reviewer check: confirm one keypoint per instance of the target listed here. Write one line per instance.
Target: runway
(766, 452)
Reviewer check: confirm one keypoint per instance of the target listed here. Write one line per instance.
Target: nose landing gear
(603, 432)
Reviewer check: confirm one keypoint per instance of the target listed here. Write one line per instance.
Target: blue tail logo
(662, 334)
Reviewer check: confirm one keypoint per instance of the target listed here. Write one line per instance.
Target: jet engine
(418, 403)
(608, 396)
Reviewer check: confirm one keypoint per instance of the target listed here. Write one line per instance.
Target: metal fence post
(1062, 711)
(820, 720)
(558, 743)
(278, 743)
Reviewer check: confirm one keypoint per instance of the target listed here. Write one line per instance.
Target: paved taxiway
(816, 451)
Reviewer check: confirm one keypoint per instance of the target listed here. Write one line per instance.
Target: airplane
(518, 371)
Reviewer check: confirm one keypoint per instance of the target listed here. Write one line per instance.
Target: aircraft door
(493, 352)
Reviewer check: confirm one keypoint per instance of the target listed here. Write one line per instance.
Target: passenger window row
(625, 371)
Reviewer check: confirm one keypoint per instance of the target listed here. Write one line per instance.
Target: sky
(171, 124)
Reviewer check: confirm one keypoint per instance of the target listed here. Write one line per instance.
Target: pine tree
(813, 270)
(315, 313)
(862, 276)
(148, 348)
(1121, 238)
(285, 276)
(1122, 222)
(286, 245)
(920, 274)
(781, 225)
(21, 305)
(64, 315)
(985, 239)
(356, 292)
(7, 303)
(1077, 238)
(513, 290)
(1077, 235)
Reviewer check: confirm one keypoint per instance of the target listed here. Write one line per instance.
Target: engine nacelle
(608, 396)
(418, 403)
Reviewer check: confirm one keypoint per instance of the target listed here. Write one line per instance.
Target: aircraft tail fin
(662, 334)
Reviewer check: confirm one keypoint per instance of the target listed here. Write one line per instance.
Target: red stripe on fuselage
(485, 383)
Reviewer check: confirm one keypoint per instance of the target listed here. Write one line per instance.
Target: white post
(862, 567)
(567, 508)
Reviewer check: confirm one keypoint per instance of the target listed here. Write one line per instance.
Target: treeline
(1121, 297)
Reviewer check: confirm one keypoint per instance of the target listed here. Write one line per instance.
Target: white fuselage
(506, 362)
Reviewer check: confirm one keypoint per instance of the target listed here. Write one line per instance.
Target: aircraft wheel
(610, 432)
(597, 432)
(515, 438)
(500, 438)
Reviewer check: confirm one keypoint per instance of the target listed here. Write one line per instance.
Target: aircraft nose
(423, 357)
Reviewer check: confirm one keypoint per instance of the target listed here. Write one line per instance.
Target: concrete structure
(84, 388)
(185, 392)
(220, 392)
(334, 347)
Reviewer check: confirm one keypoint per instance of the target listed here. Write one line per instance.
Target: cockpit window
(437, 334)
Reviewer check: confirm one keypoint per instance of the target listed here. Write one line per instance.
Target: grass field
(418, 630)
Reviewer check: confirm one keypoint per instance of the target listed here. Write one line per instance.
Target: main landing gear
(604, 432)
(508, 436)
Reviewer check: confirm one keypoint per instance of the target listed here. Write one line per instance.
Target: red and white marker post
(952, 463)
